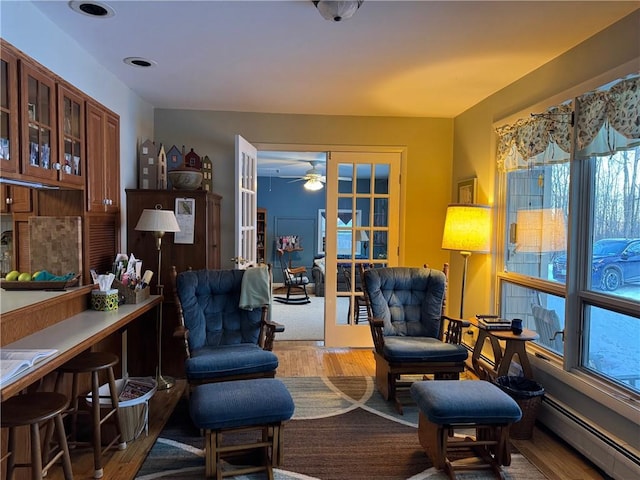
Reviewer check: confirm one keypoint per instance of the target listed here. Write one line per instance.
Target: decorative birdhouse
(162, 168)
(147, 166)
(207, 173)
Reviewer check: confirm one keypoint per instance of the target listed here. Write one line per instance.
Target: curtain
(607, 121)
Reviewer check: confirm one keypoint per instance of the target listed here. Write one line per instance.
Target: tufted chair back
(408, 300)
(210, 302)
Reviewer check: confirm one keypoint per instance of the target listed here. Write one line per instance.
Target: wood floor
(307, 359)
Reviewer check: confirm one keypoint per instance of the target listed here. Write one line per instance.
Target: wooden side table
(513, 345)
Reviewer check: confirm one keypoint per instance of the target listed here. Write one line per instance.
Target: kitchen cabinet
(103, 159)
(203, 252)
(9, 145)
(71, 130)
(16, 199)
(39, 152)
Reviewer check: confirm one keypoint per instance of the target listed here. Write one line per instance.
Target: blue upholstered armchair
(223, 340)
(408, 327)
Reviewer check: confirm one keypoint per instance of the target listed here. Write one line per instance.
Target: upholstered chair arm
(268, 330)
(453, 329)
(377, 328)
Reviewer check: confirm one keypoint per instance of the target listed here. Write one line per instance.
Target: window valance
(607, 121)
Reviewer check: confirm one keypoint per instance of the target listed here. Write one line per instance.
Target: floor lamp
(159, 222)
(467, 229)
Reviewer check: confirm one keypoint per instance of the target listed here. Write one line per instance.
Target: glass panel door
(359, 231)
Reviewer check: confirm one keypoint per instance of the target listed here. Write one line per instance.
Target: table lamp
(467, 228)
(363, 238)
(159, 222)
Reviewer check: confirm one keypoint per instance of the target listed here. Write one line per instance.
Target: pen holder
(104, 301)
(516, 326)
(131, 295)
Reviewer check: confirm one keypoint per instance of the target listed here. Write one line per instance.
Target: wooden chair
(411, 334)
(548, 327)
(360, 303)
(222, 340)
(295, 281)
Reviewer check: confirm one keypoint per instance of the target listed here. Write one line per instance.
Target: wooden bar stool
(34, 409)
(93, 363)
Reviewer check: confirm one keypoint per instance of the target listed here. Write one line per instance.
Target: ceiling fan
(314, 179)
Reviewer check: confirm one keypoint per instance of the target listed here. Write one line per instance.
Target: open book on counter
(14, 361)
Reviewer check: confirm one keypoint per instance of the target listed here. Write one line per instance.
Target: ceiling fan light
(313, 185)
(337, 10)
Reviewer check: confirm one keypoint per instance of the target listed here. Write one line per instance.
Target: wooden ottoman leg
(433, 439)
(209, 452)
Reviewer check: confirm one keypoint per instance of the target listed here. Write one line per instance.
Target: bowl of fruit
(39, 280)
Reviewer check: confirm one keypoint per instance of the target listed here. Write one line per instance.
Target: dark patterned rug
(342, 429)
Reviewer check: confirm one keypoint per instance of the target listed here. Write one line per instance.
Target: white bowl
(185, 179)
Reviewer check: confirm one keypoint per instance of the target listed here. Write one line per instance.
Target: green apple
(24, 277)
(36, 275)
(12, 276)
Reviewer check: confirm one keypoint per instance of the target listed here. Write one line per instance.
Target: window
(345, 220)
(589, 252)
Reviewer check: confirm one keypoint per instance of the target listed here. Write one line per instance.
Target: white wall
(28, 29)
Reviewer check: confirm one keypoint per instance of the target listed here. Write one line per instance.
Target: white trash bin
(133, 403)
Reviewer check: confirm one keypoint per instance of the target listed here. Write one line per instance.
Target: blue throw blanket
(256, 289)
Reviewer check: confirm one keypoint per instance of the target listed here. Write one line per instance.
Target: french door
(246, 191)
(361, 226)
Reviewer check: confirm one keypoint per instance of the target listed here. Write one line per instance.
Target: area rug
(342, 429)
(306, 321)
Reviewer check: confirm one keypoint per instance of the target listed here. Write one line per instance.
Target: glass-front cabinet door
(71, 136)
(39, 141)
(8, 112)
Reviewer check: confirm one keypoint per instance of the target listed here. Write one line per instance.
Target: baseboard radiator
(611, 456)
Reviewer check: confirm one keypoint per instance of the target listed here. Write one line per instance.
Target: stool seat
(447, 402)
(447, 405)
(261, 404)
(88, 362)
(33, 409)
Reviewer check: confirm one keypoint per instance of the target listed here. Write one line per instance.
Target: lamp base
(165, 383)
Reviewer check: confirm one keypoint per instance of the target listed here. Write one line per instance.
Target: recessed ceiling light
(92, 9)
(139, 62)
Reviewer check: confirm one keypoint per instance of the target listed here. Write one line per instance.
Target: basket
(131, 296)
(528, 395)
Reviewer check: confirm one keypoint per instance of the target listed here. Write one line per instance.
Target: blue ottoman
(260, 404)
(449, 405)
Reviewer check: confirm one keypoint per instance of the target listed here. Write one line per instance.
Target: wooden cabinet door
(16, 199)
(38, 120)
(103, 160)
(71, 128)
(112, 162)
(9, 144)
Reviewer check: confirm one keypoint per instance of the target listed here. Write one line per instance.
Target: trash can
(528, 395)
(133, 402)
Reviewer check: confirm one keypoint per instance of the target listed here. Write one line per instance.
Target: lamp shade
(540, 230)
(361, 236)
(313, 185)
(467, 228)
(157, 220)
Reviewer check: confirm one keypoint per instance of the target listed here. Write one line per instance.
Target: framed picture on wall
(467, 191)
